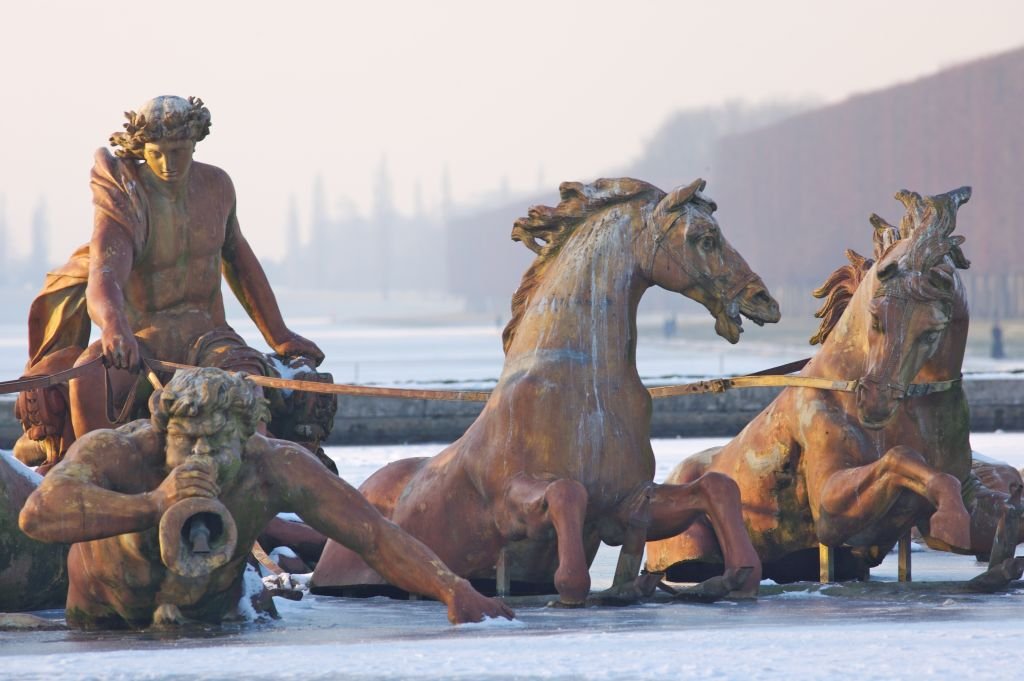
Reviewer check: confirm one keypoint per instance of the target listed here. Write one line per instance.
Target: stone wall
(995, 404)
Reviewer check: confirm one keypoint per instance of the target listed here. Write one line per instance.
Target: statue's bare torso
(173, 294)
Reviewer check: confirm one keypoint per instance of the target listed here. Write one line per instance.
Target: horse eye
(876, 325)
(707, 243)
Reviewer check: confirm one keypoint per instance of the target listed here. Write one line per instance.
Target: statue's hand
(197, 477)
(469, 605)
(295, 345)
(120, 348)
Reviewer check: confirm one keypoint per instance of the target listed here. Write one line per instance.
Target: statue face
(169, 160)
(206, 435)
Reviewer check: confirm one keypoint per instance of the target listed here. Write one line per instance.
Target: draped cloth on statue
(58, 318)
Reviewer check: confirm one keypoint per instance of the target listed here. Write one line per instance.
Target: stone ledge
(995, 404)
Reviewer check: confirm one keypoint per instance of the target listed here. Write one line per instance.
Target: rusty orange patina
(560, 458)
(857, 470)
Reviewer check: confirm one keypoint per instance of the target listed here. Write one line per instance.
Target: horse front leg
(632, 520)
(537, 505)
(714, 495)
(853, 498)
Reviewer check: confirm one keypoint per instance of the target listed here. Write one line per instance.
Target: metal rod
(502, 579)
(904, 558)
(826, 564)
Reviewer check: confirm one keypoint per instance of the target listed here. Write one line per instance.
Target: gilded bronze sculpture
(560, 458)
(165, 227)
(855, 471)
(162, 513)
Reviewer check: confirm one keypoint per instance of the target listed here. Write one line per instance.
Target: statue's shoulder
(271, 452)
(132, 438)
(211, 175)
(258, 449)
(106, 163)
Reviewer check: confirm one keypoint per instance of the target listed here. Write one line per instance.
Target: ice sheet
(795, 632)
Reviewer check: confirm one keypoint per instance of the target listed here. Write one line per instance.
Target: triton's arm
(91, 494)
(335, 508)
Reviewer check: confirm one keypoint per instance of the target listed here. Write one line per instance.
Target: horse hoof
(735, 579)
(998, 577)
(716, 588)
(952, 528)
(647, 583)
(628, 593)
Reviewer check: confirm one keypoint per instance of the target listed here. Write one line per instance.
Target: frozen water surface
(878, 630)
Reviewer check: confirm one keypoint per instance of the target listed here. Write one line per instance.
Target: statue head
(207, 412)
(163, 133)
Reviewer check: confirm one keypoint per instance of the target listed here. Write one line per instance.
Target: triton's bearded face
(206, 435)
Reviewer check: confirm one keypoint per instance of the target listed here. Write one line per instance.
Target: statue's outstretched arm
(333, 507)
(74, 502)
(249, 283)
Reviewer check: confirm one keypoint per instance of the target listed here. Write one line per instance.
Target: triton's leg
(855, 497)
(675, 507)
(537, 505)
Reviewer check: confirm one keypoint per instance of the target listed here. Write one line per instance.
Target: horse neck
(588, 299)
(844, 353)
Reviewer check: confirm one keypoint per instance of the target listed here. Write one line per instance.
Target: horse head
(909, 300)
(688, 254)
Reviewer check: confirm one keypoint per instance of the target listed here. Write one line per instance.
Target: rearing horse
(856, 470)
(560, 457)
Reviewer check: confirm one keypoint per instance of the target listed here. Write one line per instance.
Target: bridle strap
(719, 385)
(702, 277)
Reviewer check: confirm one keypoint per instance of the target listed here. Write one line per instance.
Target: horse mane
(837, 291)
(926, 228)
(545, 230)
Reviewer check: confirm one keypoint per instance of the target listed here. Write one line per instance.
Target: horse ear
(930, 221)
(957, 254)
(680, 195)
(958, 197)
(911, 200)
(885, 235)
(915, 207)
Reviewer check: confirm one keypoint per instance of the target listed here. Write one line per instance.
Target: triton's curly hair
(193, 392)
(162, 118)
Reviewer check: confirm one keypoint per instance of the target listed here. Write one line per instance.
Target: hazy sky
(492, 90)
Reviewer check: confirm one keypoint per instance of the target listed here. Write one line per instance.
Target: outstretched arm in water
(333, 507)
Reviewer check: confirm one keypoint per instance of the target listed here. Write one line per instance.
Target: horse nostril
(762, 298)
